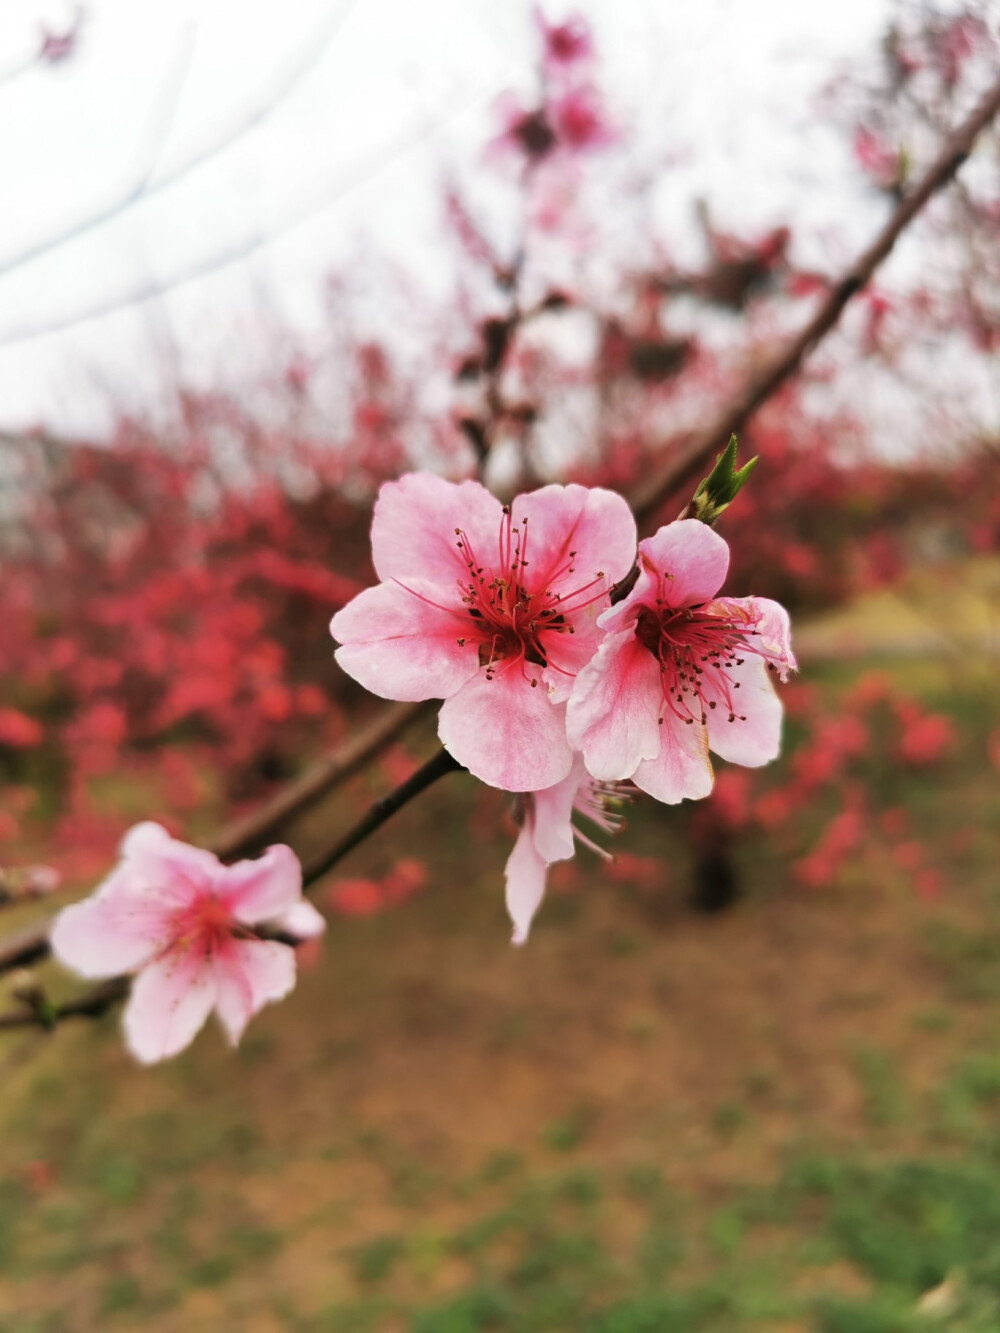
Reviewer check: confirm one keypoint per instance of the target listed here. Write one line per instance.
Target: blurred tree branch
(688, 459)
(306, 57)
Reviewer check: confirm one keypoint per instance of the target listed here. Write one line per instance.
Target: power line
(240, 251)
(306, 58)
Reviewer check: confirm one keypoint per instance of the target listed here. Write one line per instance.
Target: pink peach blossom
(567, 42)
(580, 120)
(680, 672)
(492, 608)
(547, 835)
(184, 923)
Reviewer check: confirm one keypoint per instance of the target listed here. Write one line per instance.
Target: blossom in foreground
(492, 608)
(185, 923)
(680, 672)
(547, 835)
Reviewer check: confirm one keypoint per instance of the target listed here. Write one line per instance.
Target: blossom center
(204, 922)
(698, 649)
(515, 610)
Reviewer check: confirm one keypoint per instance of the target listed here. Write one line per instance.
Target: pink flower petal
(552, 831)
(164, 866)
(525, 883)
(413, 529)
(682, 770)
(111, 932)
(613, 710)
(400, 646)
(568, 654)
(596, 524)
(266, 887)
(506, 733)
(774, 634)
(756, 740)
(145, 839)
(302, 922)
(250, 974)
(170, 1000)
(692, 558)
(624, 614)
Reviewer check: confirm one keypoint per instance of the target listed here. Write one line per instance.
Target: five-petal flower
(681, 671)
(185, 924)
(492, 608)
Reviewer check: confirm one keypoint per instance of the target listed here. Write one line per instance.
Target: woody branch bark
(690, 457)
(680, 469)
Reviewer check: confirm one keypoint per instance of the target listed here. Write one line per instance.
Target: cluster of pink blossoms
(505, 613)
(552, 689)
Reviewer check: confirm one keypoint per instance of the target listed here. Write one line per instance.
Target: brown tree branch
(91, 1004)
(251, 832)
(691, 456)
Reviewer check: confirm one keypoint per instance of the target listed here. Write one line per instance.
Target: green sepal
(721, 487)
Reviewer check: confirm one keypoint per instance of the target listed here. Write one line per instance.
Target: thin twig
(91, 1004)
(251, 832)
(687, 460)
(378, 813)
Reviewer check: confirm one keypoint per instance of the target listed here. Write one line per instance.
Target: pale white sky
(397, 90)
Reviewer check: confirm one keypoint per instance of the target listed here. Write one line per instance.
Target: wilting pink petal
(547, 835)
(681, 671)
(553, 811)
(183, 921)
(525, 883)
(493, 609)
